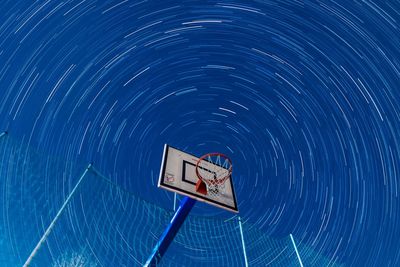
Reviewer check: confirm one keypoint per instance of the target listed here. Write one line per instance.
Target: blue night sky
(302, 95)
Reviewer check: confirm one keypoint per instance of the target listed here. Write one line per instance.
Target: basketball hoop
(212, 169)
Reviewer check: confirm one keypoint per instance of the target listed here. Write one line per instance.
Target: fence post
(3, 134)
(297, 252)
(53, 223)
(243, 244)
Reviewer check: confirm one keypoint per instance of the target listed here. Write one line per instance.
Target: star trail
(302, 96)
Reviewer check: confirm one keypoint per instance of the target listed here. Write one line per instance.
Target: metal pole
(243, 244)
(297, 252)
(174, 201)
(172, 229)
(50, 227)
(3, 134)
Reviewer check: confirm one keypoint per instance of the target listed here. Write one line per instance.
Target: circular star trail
(303, 97)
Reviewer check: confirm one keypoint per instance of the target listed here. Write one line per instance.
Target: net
(214, 169)
(105, 225)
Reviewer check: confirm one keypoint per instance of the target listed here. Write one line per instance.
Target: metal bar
(3, 134)
(60, 211)
(167, 237)
(243, 244)
(297, 252)
(174, 201)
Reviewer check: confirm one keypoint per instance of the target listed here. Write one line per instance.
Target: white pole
(243, 244)
(3, 134)
(48, 230)
(297, 252)
(174, 201)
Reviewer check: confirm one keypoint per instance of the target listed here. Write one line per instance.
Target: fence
(102, 224)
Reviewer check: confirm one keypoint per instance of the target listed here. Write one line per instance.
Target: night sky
(303, 97)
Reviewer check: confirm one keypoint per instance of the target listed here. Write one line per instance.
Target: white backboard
(178, 174)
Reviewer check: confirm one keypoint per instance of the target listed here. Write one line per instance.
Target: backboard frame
(197, 196)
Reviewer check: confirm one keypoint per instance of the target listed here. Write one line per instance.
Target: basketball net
(213, 170)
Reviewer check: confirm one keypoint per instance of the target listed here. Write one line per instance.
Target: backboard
(178, 174)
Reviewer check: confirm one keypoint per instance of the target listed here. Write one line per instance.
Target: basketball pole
(170, 232)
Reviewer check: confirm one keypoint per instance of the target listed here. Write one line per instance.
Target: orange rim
(217, 181)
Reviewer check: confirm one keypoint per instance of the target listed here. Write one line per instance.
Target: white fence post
(297, 252)
(50, 227)
(243, 244)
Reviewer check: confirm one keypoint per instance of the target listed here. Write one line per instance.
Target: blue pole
(167, 237)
